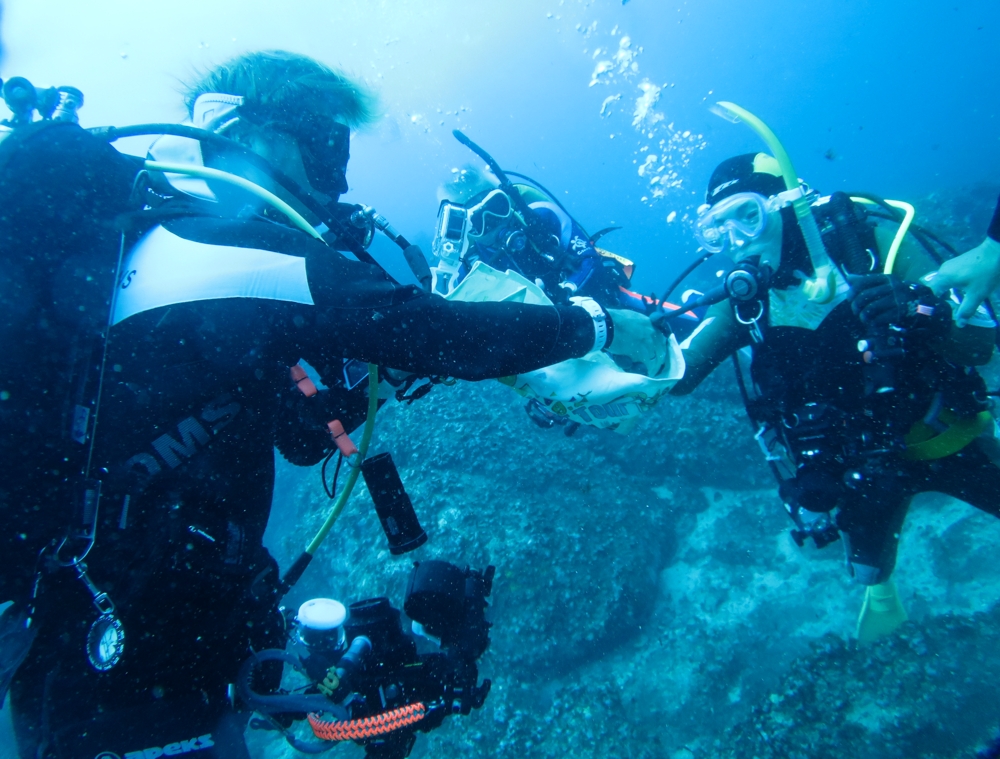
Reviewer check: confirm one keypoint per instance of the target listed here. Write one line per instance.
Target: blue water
(899, 98)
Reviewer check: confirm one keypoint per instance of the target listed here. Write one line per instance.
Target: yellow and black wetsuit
(862, 454)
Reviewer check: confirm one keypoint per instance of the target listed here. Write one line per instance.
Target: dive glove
(882, 300)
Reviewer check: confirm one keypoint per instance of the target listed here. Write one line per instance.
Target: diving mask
(325, 146)
(488, 216)
(492, 222)
(733, 221)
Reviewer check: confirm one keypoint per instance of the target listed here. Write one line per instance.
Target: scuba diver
(550, 247)
(155, 316)
(523, 227)
(486, 219)
(859, 383)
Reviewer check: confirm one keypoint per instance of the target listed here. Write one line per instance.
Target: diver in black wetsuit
(863, 395)
(216, 297)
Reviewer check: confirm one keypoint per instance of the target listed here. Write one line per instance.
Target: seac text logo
(200, 743)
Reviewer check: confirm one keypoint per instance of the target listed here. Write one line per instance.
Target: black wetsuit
(811, 386)
(994, 229)
(196, 395)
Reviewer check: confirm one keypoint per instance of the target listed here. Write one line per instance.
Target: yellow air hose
(904, 227)
(296, 570)
(352, 476)
(245, 184)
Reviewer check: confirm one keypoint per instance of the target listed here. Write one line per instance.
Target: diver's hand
(880, 300)
(637, 338)
(976, 273)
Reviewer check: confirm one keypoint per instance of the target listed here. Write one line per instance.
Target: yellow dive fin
(881, 614)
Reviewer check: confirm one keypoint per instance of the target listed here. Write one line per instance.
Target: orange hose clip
(302, 381)
(340, 437)
(369, 727)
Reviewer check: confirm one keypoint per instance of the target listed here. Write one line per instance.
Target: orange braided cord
(369, 727)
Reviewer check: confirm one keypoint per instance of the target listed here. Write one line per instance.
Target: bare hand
(976, 273)
(637, 338)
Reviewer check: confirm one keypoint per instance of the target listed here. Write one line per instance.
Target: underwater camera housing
(380, 683)
(449, 604)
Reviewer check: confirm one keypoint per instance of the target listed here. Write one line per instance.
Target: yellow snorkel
(823, 287)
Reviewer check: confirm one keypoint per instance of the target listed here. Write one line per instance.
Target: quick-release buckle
(102, 601)
(302, 381)
(788, 197)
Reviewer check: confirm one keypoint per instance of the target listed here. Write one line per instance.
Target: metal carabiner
(102, 601)
(78, 556)
(754, 319)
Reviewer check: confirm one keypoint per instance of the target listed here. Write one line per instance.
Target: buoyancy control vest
(61, 192)
(807, 390)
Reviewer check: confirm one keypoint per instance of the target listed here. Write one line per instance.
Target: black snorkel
(505, 184)
(543, 188)
(601, 232)
(538, 235)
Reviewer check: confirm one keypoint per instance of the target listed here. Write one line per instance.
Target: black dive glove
(883, 300)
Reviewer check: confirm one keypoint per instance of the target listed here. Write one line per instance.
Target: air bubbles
(648, 164)
(608, 101)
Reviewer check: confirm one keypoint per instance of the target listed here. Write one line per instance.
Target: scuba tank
(24, 100)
